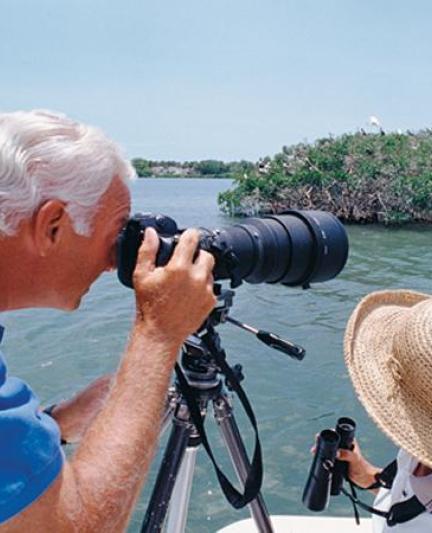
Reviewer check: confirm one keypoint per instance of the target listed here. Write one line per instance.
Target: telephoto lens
(345, 428)
(296, 248)
(316, 493)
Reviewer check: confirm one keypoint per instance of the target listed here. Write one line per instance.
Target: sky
(222, 79)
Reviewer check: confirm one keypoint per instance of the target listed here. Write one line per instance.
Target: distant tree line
(199, 169)
(361, 177)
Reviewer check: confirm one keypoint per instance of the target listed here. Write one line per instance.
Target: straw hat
(388, 352)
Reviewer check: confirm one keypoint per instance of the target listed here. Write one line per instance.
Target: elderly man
(63, 201)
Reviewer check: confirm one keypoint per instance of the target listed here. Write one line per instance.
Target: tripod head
(196, 356)
(202, 350)
(198, 353)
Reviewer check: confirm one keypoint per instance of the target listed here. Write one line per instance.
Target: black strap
(254, 478)
(356, 512)
(399, 512)
(385, 478)
(404, 511)
(356, 502)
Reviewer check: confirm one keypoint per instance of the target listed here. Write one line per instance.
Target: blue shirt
(30, 453)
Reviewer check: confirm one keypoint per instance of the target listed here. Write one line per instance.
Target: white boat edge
(303, 524)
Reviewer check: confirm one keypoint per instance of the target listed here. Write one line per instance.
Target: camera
(327, 473)
(295, 248)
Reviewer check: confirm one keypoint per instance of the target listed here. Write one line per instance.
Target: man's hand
(173, 300)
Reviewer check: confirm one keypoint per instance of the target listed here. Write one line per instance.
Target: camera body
(295, 248)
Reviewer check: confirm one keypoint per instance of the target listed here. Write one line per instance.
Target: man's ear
(49, 223)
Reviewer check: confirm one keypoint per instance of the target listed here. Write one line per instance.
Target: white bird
(373, 121)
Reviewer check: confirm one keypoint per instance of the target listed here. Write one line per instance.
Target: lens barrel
(295, 248)
(316, 493)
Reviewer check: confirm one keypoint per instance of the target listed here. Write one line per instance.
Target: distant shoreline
(186, 176)
(208, 168)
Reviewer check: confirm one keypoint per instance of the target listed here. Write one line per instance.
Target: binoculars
(327, 473)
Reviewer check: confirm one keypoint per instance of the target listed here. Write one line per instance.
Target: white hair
(45, 155)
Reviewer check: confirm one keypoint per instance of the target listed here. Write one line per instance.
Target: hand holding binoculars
(327, 473)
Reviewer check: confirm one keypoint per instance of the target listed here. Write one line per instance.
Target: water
(57, 353)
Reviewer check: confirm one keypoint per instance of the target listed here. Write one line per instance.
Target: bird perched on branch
(374, 122)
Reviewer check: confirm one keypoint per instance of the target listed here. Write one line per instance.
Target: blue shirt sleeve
(30, 453)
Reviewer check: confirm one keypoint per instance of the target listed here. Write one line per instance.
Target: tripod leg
(161, 495)
(233, 441)
(179, 505)
(170, 408)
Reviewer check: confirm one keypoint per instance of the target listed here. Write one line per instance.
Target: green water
(57, 353)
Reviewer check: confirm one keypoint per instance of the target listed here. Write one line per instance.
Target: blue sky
(225, 79)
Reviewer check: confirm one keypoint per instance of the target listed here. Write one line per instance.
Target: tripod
(171, 493)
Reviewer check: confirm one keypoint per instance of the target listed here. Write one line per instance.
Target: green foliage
(359, 177)
(211, 167)
(142, 167)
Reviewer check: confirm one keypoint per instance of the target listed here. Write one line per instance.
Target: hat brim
(368, 347)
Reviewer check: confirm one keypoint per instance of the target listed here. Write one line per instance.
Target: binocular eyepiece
(327, 473)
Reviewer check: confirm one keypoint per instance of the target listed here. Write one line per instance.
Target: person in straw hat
(388, 353)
